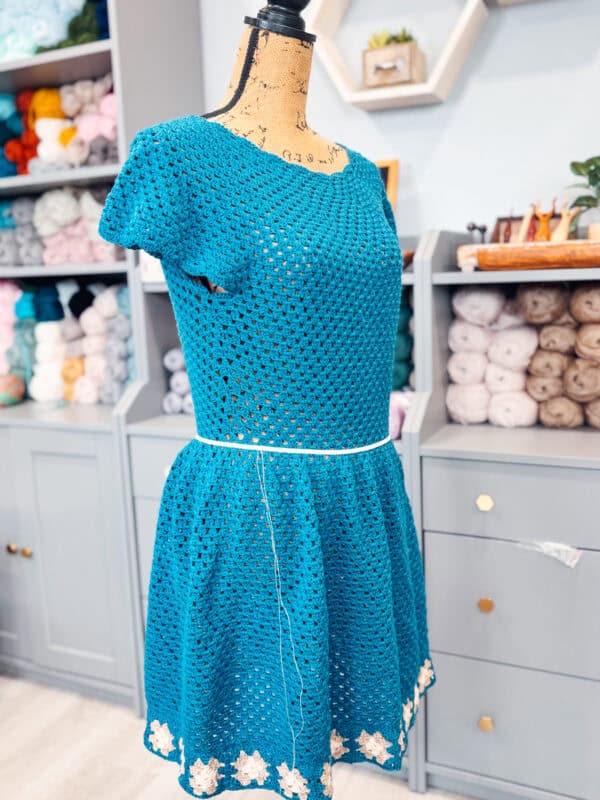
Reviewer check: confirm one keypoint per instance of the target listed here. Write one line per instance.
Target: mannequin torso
(271, 108)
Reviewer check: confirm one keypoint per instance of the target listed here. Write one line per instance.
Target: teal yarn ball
(404, 318)
(404, 346)
(401, 374)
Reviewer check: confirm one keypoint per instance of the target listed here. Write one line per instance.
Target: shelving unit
(74, 621)
(324, 18)
(64, 271)
(537, 485)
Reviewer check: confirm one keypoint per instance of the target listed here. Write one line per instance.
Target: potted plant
(392, 58)
(590, 170)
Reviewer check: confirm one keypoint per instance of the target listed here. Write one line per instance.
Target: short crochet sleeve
(141, 211)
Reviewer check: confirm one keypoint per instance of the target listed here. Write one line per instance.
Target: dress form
(265, 101)
(267, 104)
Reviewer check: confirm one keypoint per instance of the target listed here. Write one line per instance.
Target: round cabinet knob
(486, 724)
(26, 552)
(485, 605)
(484, 502)
(11, 548)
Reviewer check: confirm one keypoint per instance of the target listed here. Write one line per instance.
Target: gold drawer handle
(486, 605)
(26, 552)
(485, 502)
(486, 724)
(11, 548)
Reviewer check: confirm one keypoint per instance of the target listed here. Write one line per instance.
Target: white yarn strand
(260, 466)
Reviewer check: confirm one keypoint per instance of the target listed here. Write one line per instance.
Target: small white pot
(594, 231)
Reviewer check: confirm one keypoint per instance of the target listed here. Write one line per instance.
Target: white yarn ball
(468, 404)
(509, 317)
(514, 347)
(467, 368)
(47, 352)
(464, 337)
(480, 305)
(513, 409)
(502, 379)
(48, 332)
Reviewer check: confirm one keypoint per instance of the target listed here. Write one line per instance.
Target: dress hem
(367, 752)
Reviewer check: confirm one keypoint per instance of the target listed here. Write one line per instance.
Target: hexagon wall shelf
(324, 17)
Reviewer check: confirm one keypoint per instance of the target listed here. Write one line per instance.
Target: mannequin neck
(274, 94)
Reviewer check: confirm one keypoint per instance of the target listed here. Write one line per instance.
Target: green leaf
(585, 201)
(579, 168)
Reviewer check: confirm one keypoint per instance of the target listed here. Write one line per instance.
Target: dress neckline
(275, 159)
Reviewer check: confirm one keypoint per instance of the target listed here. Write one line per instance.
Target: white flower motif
(292, 782)
(417, 698)
(425, 675)
(250, 768)
(373, 745)
(205, 777)
(161, 738)
(337, 744)
(182, 757)
(402, 741)
(407, 713)
(327, 780)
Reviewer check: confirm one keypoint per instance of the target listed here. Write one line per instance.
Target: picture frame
(389, 170)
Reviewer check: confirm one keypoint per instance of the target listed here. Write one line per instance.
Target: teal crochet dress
(286, 625)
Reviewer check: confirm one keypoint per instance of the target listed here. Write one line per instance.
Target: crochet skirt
(286, 625)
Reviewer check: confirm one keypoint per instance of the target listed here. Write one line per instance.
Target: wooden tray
(540, 255)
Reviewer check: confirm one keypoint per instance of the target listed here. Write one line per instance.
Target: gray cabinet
(514, 631)
(151, 459)
(73, 585)
(513, 605)
(15, 637)
(512, 501)
(528, 727)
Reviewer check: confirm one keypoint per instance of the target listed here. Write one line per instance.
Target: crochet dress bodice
(286, 620)
(299, 350)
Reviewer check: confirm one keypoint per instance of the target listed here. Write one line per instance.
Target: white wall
(527, 103)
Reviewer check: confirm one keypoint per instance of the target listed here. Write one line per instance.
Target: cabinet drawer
(544, 613)
(151, 460)
(146, 517)
(529, 502)
(544, 725)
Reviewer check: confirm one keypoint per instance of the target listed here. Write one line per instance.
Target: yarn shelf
(72, 176)
(176, 426)
(435, 266)
(64, 271)
(531, 445)
(63, 65)
(456, 276)
(58, 416)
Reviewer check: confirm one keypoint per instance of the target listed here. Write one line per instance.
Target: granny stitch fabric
(286, 625)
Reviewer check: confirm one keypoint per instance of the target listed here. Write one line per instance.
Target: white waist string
(277, 449)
